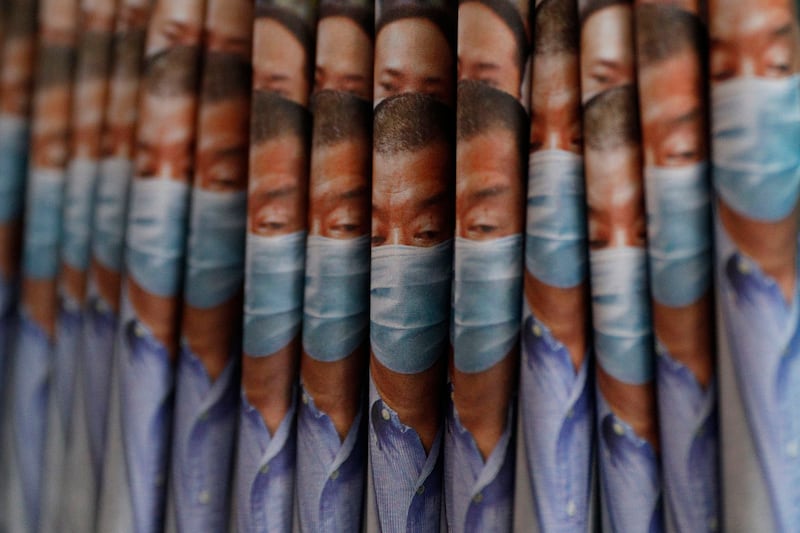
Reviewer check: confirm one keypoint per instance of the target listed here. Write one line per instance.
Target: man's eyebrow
(435, 200)
(486, 65)
(782, 31)
(489, 192)
(354, 77)
(394, 73)
(274, 194)
(613, 64)
(688, 117)
(354, 192)
(238, 150)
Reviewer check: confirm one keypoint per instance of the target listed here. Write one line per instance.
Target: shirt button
(571, 412)
(713, 525)
(335, 474)
(537, 330)
(478, 498)
(743, 266)
(204, 497)
(571, 508)
(385, 414)
(618, 429)
(420, 490)
(305, 398)
(204, 416)
(792, 448)
(265, 468)
(138, 330)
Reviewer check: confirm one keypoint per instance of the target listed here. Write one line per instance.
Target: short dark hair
(409, 122)
(481, 108)
(54, 66)
(94, 54)
(20, 18)
(301, 29)
(272, 116)
(340, 116)
(128, 53)
(590, 7)
(663, 31)
(556, 28)
(611, 119)
(172, 72)
(225, 76)
(512, 18)
(438, 16)
(362, 16)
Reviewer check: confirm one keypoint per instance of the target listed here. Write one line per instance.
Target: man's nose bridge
(554, 139)
(396, 236)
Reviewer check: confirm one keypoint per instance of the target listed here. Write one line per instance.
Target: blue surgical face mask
(78, 200)
(755, 136)
(410, 305)
(110, 211)
(621, 313)
(13, 166)
(679, 231)
(487, 287)
(157, 234)
(273, 288)
(215, 256)
(336, 307)
(555, 241)
(43, 223)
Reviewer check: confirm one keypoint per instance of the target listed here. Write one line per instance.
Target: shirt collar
(618, 435)
(322, 419)
(212, 393)
(275, 443)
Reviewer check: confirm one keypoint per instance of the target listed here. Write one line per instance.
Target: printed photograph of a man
(607, 57)
(173, 23)
(491, 152)
(109, 221)
(274, 275)
(207, 380)
(414, 51)
(336, 315)
(283, 43)
(755, 106)
(556, 401)
(154, 252)
(628, 433)
(671, 50)
(412, 229)
(492, 44)
(345, 39)
(15, 87)
(44, 201)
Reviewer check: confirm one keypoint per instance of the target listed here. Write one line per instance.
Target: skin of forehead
(413, 46)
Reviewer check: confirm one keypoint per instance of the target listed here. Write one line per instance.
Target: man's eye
(778, 69)
(428, 235)
(378, 240)
(596, 244)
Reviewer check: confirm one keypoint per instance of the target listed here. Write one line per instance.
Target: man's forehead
(749, 16)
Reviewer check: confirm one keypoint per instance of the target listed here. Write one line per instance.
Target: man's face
(276, 203)
(49, 135)
(165, 137)
(412, 55)
(487, 50)
(753, 38)
(97, 15)
(221, 158)
(614, 195)
(344, 57)
(488, 188)
(411, 204)
(279, 61)
(174, 23)
(340, 190)
(555, 104)
(121, 121)
(606, 50)
(672, 121)
(16, 74)
(229, 26)
(58, 23)
(87, 120)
